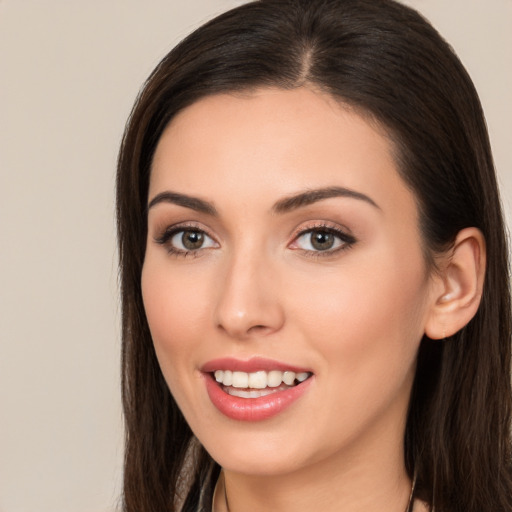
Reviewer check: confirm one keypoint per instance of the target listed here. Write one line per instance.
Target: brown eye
(322, 240)
(192, 240)
(184, 241)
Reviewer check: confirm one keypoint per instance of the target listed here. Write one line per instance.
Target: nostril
(258, 329)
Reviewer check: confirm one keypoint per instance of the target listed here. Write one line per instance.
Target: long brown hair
(385, 60)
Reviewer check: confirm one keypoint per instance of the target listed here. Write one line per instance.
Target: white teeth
(258, 380)
(301, 377)
(274, 378)
(251, 393)
(240, 380)
(288, 378)
(228, 378)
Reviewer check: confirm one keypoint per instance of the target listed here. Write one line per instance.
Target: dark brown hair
(385, 60)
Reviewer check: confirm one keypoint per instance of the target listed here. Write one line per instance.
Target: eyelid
(319, 225)
(343, 234)
(167, 230)
(167, 233)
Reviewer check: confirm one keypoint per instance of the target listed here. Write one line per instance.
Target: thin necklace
(410, 505)
(409, 508)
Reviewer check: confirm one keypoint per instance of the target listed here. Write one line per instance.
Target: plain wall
(69, 72)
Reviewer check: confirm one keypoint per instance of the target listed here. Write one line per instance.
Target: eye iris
(322, 240)
(192, 239)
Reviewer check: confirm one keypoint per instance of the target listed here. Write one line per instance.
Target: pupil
(192, 240)
(321, 240)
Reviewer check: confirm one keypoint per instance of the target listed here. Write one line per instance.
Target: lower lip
(253, 409)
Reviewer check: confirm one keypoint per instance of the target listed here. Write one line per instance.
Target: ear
(458, 285)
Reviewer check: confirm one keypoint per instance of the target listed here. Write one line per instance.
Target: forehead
(271, 142)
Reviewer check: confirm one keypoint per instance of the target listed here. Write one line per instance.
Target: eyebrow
(194, 203)
(312, 196)
(282, 206)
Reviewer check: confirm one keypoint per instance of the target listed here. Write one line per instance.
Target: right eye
(183, 241)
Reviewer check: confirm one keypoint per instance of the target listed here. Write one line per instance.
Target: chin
(268, 453)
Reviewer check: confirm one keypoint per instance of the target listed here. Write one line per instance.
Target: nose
(248, 303)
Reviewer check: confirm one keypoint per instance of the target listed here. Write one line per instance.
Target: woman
(316, 312)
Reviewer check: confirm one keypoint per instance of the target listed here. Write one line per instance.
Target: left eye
(321, 240)
(190, 240)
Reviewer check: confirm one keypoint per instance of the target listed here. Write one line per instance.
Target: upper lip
(251, 365)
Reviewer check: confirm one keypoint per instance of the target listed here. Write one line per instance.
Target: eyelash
(170, 232)
(346, 240)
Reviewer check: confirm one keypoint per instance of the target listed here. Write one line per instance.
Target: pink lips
(251, 409)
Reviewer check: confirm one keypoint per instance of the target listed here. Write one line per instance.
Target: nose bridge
(248, 302)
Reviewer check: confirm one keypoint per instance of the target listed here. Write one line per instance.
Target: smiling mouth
(257, 384)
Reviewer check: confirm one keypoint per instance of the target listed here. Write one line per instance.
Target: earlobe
(459, 284)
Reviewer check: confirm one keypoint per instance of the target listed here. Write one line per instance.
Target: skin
(353, 316)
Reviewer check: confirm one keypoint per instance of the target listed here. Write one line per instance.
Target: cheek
(176, 308)
(366, 331)
(367, 318)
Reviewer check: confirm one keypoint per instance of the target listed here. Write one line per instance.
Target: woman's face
(282, 239)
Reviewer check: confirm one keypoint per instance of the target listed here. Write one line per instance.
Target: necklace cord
(410, 505)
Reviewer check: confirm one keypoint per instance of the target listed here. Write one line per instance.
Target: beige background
(69, 72)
